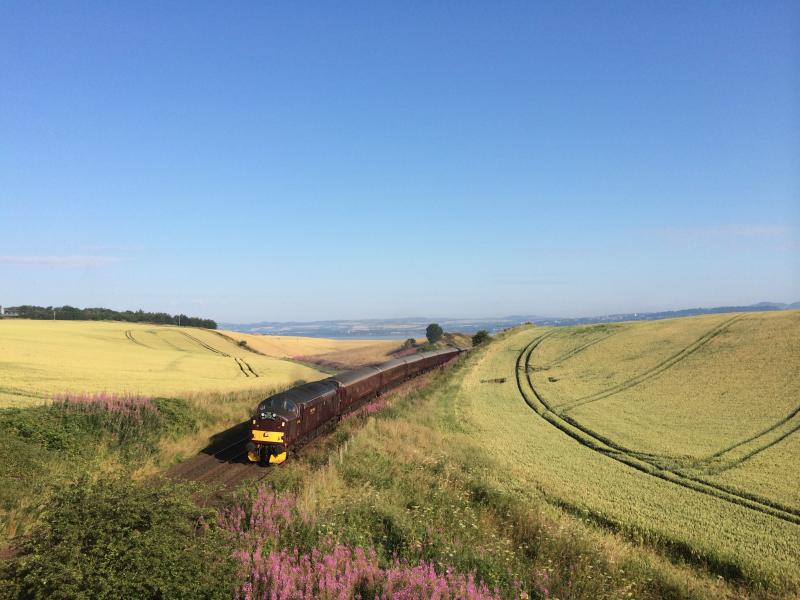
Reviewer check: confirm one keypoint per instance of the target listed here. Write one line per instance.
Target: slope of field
(41, 358)
(631, 466)
(346, 354)
(740, 382)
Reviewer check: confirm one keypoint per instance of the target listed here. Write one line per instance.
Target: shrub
(409, 343)
(76, 424)
(480, 337)
(115, 539)
(434, 333)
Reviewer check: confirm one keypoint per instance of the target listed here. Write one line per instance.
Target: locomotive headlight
(283, 423)
(254, 421)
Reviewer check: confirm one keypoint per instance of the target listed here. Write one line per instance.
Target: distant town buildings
(7, 313)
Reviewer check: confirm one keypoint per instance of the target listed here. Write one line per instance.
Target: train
(289, 419)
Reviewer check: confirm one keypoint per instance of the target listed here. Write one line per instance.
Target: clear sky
(278, 160)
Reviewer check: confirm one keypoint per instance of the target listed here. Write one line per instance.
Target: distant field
(343, 353)
(42, 358)
(681, 431)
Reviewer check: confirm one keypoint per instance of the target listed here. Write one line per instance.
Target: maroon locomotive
(295, 416)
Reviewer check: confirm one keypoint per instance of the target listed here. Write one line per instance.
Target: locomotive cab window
(277, 406)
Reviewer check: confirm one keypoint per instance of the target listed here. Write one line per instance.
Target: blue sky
(272, 161)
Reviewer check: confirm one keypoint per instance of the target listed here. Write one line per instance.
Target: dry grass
(42, 358)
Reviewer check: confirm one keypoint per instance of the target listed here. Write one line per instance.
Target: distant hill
(670, 314)
(415, 326)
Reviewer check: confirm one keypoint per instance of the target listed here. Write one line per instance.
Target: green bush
(480, 337)
(75, 429)
(117, 539)
(43, 445)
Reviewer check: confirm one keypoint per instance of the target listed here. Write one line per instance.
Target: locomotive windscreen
(279, 405)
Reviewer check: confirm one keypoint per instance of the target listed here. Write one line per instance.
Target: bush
(41, 445)
(480, 337)
(115, 539)
(434, 333)
(409, 343)
(77, 424)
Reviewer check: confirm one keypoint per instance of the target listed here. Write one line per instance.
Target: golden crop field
(680, 432)
(344, 353)
(39, 359)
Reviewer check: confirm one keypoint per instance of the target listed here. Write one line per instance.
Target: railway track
(223, 461)
(640, 461)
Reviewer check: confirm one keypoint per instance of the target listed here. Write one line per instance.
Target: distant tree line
(70, 313)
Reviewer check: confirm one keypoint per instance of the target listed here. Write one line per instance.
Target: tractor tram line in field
(130, 336)
(763, 433)
(246, 368)
(640, 461)
(716, 470)
(711, 465)
(574, 351)
(654, 371)
(243, 365)
(204, 344)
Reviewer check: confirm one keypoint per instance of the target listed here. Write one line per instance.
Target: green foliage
(74, 429)
(480, 337)
(409, 343)
(46, 444)
(70, 313)
(434, 333)
(117, 539)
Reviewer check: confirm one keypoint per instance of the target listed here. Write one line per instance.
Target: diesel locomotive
(291, 418)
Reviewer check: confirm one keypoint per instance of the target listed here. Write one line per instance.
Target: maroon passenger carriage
(295, 416)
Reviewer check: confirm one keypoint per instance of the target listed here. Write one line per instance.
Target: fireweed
(125, 416)
(331, 571)
(126, 405)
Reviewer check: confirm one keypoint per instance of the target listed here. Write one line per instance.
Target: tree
(434, 333)
(480, 337)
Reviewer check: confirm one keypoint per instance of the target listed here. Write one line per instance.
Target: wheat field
(680, 432)
(40, 359)
(342, 353)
